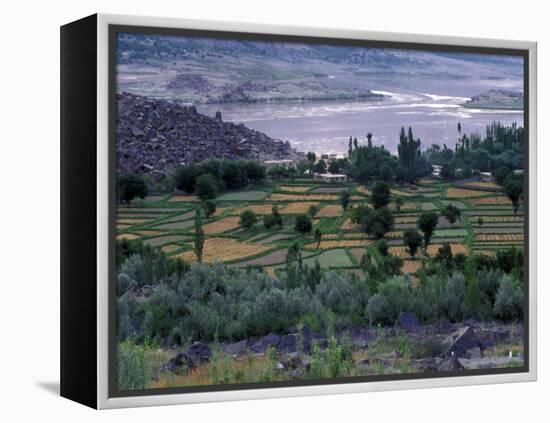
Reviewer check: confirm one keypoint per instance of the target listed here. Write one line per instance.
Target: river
(325, 126)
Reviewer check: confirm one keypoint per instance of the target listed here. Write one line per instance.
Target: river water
(325, 126)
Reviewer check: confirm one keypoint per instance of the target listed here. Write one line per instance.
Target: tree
(412, 240)
(185, 177)
(345, 197)
(320, 167)
(312, 210)
(427, 223)
(350, 147)
(273, 219)
(480, 221)
(399, 201)
(311, 157)
(303, 224)
(377, 222)
(509, 300)
(380, 196)
(234, 175)
(318, 236)
(248, 219)
(451, 213)
(513, 186)
(206, 187)
(209, 207)
(198, 243)
(131, 186)
(409, 152)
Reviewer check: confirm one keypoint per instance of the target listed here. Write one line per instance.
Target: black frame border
(114, 29)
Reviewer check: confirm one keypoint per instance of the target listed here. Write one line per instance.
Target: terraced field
(167, 222)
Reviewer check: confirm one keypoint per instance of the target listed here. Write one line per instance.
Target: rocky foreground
(155, 136)
(440, 346)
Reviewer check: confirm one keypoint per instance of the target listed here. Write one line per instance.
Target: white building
(286, 163)
(436, 170)
(486, 176)
(329, 177)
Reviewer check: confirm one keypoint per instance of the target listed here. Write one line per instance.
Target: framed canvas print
(254, 211)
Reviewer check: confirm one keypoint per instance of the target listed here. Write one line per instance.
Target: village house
(486, 177)
(329, 177)
(286, 163)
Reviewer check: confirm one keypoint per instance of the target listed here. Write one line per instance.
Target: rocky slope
(155, 136)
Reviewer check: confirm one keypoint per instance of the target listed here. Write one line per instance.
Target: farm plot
(243, 196)
(148, 232)
(179, 217)
(428, 206)
(349, 226)
(402, 251)
(225, 249)
(499, 219)
(331, 258)
(272, 238)
(294, 188)
(363, 190)
(331, 210)
(127, 237)
(176, 226)
(499, 237)
(328, 190)
(357, 253)
(170, 248)
(256, 208)
(406, 219)
(501, 211)
(183, 199)
(349, 235)
(270, 259)
(400, 193)
(411, 266)
(499, 200)
(464, 193)
(222, 225)
(446, 233)
(491, 186)
(163, 240)
(329, 244)
(498, 230)
(303, 197)
(132, 222)
(407, 206)
(297, 208)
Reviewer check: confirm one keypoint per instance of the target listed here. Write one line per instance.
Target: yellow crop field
(148, 232)
(327, 245)
(351, 235)
(297, 208)
(498, 219)
(220, 210)
(303, 197)
(225, 249)
(128, 237)
(122, 227)
(294, 188)
(363, 190)
(132, 221)
(481, 184)
(499, 237)
(464, 193)
(183, 199)
(411, 266)
(427, 181)
(170, 248)
(408, 206)
(394, 234)
(499, 200)
(406, 219)
(256, 208)
(331, 210)
(222, 225)
(401, 250)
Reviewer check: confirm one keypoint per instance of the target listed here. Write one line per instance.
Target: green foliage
(206, 187)
(317, 236)
(198, 242)
(185, 177)
(312, 211)
(273, 219)
(451, 212)
(248, 219)
(412, 240)
(132, 367)
(368, 163)
(410, 158)
(509, 300)
(377, 222)
(320, 167)
(513, 186)
(427, 223)
(380, 196)
(345, 197)
(209, 207)
(130, 186)
(399, 201)
(454, 298)
(303, 224)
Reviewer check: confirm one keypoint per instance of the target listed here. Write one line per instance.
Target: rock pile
(154, 136)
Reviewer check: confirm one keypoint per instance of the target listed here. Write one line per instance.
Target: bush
(509, 300)
(130, 186)
(185, 177)
(206, 187)
(454, 298)
(377, 309)
(248, 219)
(380, 196)
(132, 367)
(303, 224)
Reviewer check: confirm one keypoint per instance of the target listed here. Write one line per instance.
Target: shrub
(130, 186)
(509, 300)
(380, 196)
(412, 240)
(345, 197)
(248, 219)
(185, 177)
(132, 367)
(206, 187)
(377, 309)
(303, 224)
(454, 298)
(209, 207)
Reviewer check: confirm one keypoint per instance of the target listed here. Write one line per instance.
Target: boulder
(195, 355)
(288, 343)
(449, 364)
(264, 343)
(460, 341)
(236, 348)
